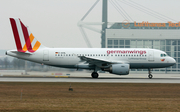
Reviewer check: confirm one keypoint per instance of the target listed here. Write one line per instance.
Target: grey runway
(91, 80)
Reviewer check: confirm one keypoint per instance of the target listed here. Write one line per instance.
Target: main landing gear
(150, 75)
(94, 75)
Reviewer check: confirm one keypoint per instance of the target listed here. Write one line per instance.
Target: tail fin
(25, 41)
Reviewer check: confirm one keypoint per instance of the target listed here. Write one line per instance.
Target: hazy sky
(54, 22)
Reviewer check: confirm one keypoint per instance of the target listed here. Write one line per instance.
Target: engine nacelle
(118, 69)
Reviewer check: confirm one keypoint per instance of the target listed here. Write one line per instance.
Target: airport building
(131, 35)
(162, 36)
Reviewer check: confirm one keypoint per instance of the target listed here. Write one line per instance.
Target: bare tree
(1, 63)
(6, 62)
(18, 63)
(15, 63)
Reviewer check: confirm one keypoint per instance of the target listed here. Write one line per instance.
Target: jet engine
(118, 69)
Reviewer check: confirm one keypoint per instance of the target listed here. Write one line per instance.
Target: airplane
(117, 61)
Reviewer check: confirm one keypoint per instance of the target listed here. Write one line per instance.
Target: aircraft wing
(98, 61)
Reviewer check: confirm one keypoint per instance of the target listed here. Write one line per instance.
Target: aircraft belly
(148, 65)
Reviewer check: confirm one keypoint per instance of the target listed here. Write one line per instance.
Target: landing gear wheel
(150, 76)
(94, 75)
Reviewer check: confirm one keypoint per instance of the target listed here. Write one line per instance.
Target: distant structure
(129, 34)
(104, 20)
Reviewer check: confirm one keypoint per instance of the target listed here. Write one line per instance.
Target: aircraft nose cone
(173, 61)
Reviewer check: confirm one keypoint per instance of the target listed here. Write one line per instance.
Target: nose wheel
(150, 75)
(94, 75)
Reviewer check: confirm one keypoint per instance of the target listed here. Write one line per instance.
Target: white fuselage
(70, 57)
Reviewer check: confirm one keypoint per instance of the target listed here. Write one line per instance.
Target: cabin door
(151, 55)
(46, 55)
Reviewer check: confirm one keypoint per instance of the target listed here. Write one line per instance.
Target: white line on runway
(85, 79)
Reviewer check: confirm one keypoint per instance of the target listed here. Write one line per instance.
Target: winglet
(25, 41)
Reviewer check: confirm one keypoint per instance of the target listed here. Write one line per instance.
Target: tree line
(20, 64)
(16, 64)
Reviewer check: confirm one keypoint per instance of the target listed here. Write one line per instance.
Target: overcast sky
(54, 22)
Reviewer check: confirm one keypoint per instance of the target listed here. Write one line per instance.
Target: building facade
(164, 38)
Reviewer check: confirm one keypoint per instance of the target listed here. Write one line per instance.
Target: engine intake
(118, 69)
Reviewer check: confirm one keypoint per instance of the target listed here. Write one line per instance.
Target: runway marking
(90, 80)
(62, 76)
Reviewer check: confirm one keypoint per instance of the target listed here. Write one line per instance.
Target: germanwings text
(126, 51)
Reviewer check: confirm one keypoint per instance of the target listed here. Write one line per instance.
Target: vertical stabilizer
(24, 39)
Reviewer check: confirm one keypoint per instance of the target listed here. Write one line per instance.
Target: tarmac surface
(86, 77)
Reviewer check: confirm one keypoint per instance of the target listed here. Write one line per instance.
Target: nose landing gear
(150, 75)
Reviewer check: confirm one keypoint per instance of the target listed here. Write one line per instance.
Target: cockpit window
(163, 55)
